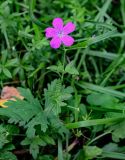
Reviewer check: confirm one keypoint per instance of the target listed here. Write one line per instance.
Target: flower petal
(50, 32)
(58, 23)
(55, 42)
(69, 27)
(67, 40)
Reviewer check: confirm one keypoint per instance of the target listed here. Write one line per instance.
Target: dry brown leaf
(8, 93)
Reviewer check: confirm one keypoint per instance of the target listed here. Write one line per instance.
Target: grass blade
(89, 123)
(113, 155)
(103, 54)
(101, 89)
(103, 10)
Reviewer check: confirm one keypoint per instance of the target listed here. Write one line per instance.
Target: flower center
(60, 34)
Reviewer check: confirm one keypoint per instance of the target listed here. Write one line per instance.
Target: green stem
(60, 150)
(96, 138)
(64, 61)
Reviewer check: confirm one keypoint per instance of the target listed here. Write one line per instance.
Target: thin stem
(77, 55)
(60, 150)
(96, 138)
(71, 146)
(64, 61)
(67, 143)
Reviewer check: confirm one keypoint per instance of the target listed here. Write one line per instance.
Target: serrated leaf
(70, 68)
(20, 111)
(28, 95)
(27, 112)
(39, 119)
(34, 144)
(3, 136)
(55, 96)
(57, 125)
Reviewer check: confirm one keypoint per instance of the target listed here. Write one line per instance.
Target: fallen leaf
(8, 93)
(2, 101)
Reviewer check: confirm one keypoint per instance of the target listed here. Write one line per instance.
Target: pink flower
(59, 33)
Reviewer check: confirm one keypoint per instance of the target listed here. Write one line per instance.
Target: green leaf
(3, 136)
(107, 103)
(6, 134)
(118, 131)
(71, 69)
(103, 99)
(8, 147)
(26, 93)
(7, 73)
(82, 44)
(11, 62)
(110, 147)
(7, 156)
(27, 112)
(59, 68)
(41, 65)
(55, 96)
(39, 119)
(45, 157)
(57, 125)
(92, 151)
(101, 89)
(20, 111)
(34, 150)
(48, 139)
(113, 155)
(34, 144)
(12, 129)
